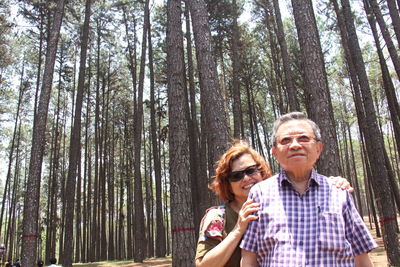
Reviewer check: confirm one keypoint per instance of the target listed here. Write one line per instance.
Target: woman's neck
(236, 204)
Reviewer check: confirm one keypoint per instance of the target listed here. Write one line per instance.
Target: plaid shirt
(319, 228)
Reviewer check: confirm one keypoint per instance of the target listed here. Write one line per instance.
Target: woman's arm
(363, 260)
(249, 259)
(220, 254)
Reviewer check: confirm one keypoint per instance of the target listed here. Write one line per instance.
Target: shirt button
(301, 243)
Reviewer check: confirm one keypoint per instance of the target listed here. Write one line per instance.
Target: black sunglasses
(238, 175)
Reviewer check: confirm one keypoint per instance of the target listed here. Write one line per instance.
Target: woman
(222, 227)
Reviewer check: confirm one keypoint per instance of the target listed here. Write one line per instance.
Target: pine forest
(113, 114)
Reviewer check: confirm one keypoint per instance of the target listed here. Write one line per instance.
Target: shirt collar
(315, 179)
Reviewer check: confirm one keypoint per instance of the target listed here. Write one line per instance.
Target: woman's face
(247, 168)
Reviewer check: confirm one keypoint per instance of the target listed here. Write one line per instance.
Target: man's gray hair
(296, 115)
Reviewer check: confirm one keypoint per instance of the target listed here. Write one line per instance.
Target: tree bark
(32, 194)
(316, 84)
(280, 33)
(160, 228)
(386, 36)
(394, 15)
(140, 234)
(373, 141)
(388, 85)
(75, 144)
(211, 98)
(183, 237)
(237, 103)
(11, 155)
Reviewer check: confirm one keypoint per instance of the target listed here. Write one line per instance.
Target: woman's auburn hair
(220, 184)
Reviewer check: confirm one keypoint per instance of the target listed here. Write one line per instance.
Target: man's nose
(294, 144)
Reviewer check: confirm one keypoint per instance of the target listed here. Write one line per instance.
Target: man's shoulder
(266, 186)
(335, 198)
(326, 184)
(269, 182)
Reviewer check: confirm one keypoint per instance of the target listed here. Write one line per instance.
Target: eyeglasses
(239, 175)
(302, 139)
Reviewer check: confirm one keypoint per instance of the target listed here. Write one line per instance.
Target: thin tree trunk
(53, 181)
(394, 14)
(386, 36)
(140, 234)
(160, 228)
(40, 60)
(75, 144)
(355, 170)
(390, 91)
(237, 103)
(290, 88)
(11, 233)
(11, 155)
(86, 181)
(373, 141)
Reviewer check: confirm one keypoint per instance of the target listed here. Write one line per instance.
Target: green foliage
(5, 30)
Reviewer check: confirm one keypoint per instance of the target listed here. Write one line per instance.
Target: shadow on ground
(157, 262)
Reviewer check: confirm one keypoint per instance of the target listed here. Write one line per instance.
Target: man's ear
(320, 147)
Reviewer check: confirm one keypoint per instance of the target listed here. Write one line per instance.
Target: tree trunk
(237, 103)
(291, 91)
(32, 194)
(386, 36)
(373, 140)
(132, 70)
(316, 84)
(110, 191)
(75, 144)
(11, 155)
(211, 98)
(183, 237)
(140, 234)
(353, 162)
(200, 195)
(11, 233)
(388, 85)
(40, 61)
(394, 14)
(160, 228)
(86, 181)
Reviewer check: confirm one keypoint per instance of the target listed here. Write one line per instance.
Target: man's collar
(315, 179)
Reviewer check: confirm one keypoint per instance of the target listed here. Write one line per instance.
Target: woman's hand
(246, 215)
(341, 183)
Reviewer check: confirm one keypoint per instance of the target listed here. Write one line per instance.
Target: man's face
(296, 147)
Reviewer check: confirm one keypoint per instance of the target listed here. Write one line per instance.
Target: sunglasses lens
(250, 171)
(236, 176)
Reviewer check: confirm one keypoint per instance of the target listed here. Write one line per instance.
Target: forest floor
(378, 257)
(157, 262)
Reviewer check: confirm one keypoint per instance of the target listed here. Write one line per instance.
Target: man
(302, 220)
